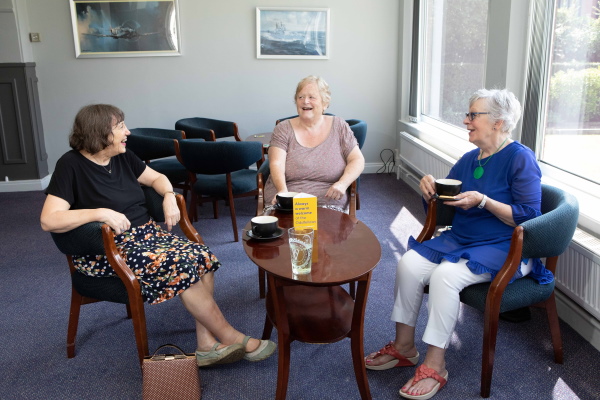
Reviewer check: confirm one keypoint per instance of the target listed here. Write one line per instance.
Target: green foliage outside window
(574, 96)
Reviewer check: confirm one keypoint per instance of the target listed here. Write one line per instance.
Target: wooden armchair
(98, 238)
(546, 236)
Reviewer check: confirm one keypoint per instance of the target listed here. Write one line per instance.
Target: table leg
(268, 329)
(283, 337)
(357, 336)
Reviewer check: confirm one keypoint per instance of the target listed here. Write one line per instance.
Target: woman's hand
(117, 221)
(171, 211)
(466, 200)
(336, 191)
(427, 186)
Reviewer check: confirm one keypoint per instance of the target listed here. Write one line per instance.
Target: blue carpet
(35, 297)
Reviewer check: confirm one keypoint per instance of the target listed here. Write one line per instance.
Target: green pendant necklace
(478, 173)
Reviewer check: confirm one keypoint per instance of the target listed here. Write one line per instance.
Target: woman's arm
(58, 217)
(355, 164)
(472, 199)
(277, 158)
(525, 189)
(161, 184)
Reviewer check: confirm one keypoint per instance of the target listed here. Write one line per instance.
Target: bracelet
(174, 194)
(482, 204)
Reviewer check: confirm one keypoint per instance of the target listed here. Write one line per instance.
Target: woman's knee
(412, 266)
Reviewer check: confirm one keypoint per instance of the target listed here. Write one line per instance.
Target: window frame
(518, 58)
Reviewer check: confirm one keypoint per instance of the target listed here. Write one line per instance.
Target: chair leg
(232, 207)
(357, 200)
(129, 316)
(139, 328)
(215, 209)
(233, 221)
(76, 302)
(490, 332)
(552, 315)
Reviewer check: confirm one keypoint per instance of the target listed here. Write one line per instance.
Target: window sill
(445, 140)
(587, 193)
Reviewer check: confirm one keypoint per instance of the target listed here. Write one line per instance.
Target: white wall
(218, 75)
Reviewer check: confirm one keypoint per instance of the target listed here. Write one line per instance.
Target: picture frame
(133, 28)
(292, 33)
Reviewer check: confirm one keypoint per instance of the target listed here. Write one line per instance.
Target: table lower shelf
(315, 314)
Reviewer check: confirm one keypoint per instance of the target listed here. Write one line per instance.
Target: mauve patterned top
(313, 170)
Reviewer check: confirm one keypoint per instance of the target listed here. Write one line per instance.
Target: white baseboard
(24, 186)
(373, 168)
(579, 319)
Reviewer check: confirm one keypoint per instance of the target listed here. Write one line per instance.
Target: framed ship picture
(292, 33)
(125, 28)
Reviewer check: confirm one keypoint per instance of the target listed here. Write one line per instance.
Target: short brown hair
(92, 128)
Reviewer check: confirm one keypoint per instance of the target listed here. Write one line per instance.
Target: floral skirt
(164, 264)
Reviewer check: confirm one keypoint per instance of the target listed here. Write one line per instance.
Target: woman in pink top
(313, 153)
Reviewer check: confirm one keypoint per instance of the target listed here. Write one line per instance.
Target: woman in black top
(99, 180)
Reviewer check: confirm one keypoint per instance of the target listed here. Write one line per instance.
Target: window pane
(572, 130)
(454, 57)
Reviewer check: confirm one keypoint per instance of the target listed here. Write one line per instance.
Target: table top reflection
(344, 249)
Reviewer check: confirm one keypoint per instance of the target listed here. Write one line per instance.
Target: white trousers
(445, 281)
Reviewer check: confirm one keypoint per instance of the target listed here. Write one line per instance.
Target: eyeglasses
(472, 115)
(121, 125)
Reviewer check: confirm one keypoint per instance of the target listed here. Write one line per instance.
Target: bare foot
(252, 345)
(423, 386)
(379, 357)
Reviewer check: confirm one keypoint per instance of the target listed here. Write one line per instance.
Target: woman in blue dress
(501, 188)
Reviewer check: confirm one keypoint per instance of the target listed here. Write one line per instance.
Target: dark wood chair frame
(135, 307)
(494, 297)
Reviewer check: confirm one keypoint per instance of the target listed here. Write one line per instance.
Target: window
(545, 51)
(571, 135)
(454, 57)
(562, 119)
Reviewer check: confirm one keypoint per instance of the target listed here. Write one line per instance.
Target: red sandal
(424, 372)
(400, 360)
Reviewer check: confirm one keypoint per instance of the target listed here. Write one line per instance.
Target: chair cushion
(170, 167)
(242, 181)
(102, 288)
(521, 293)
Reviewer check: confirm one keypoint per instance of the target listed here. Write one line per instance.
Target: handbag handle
(160, 357)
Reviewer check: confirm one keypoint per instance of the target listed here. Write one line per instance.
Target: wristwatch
(482, 204)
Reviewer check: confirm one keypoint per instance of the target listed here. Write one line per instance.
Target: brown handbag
(170, 376)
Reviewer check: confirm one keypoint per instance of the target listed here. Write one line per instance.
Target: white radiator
(578, 271)
(417, 159)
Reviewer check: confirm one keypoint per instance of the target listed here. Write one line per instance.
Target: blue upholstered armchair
(219, 170)
(546, 236)
(155, 147)
(208, 129)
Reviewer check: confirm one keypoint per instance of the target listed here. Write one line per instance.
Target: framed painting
(292, 33)
(125, 28)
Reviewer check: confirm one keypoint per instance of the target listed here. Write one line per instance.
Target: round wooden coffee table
(314, 308)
